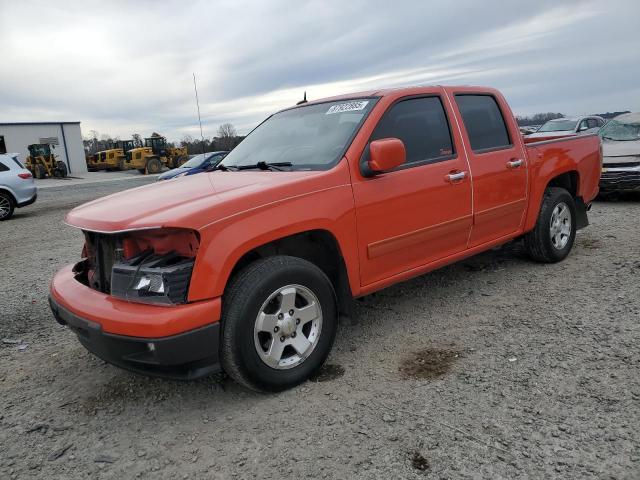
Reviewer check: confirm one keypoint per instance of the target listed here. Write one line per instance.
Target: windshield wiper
(266, 166)
(222, 167)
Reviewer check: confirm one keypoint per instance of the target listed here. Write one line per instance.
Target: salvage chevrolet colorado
(249, 267)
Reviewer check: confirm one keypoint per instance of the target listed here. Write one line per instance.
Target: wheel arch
(568, 179)
(9, 192)
(318, 246)
(332, 251)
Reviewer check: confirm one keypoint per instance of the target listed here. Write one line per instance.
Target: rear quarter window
(484, 122)
(3, 167)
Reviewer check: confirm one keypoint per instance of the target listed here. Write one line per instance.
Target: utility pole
(195, 87)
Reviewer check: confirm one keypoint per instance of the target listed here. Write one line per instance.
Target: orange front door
(420, 212)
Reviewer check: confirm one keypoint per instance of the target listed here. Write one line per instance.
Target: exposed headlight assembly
(152, 278)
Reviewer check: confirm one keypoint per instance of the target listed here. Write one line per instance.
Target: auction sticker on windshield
(348, 107)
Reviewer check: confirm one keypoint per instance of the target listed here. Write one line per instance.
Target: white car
(17, 188)
(621, 154)
(561, 127)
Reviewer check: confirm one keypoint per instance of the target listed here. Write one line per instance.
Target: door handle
(514, 163)
(456, 177)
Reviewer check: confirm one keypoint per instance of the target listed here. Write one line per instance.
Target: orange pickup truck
(248, 267)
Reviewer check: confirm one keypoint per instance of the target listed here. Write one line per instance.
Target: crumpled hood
(188, 202)
(612, 148)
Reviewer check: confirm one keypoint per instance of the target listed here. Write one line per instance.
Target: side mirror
(386, 154)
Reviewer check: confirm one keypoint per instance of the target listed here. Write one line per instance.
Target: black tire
(7, 206)
(154, 165)
(62, 169)
(41, 172)
(241, 304)
(538, 241)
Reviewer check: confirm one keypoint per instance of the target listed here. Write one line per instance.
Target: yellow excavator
(114, 158)
(41, 162)
(154, 155)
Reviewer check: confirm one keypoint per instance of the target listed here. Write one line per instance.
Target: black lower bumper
(619, 180)
(29, 202)
(186, 356)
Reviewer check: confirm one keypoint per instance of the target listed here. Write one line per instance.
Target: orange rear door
(421, 211)
(498, 165)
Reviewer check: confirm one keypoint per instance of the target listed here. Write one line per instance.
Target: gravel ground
(495, 367)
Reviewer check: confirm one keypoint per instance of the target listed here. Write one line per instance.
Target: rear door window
(484, 122)
(3, 167)
(421, 124)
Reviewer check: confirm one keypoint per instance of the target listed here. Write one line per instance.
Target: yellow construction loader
(41, 162)
(114, 158)
(154, 155)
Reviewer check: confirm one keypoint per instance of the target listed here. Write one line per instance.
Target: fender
(549, 160)
(221, 250)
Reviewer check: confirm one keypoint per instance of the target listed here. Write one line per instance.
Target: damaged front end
(147, 266)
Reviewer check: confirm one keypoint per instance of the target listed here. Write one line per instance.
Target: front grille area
(102, 252)
(127, 266)
(621, 165)
(620, 180)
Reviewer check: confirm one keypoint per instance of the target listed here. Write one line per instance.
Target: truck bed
(579, 155)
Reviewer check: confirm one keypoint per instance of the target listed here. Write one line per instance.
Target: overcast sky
(124, 67)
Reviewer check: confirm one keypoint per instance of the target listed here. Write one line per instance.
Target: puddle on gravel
(418, 462)
(428, 364)
(327, 373)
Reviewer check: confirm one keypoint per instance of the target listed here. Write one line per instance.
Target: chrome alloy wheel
(5, 206)
(560, 225)
(287, 328)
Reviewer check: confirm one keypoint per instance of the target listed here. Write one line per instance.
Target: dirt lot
(492, 368)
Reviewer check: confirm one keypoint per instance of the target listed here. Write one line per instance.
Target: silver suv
(17, 188)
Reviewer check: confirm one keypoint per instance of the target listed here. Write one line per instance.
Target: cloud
(121, 67)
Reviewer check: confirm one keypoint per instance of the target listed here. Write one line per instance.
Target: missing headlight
(152, 278)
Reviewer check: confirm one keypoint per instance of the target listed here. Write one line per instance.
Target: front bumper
(620, 178)
(180, 342)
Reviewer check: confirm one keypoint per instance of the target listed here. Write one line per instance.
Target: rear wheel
(278, 324)
(552, 238)
(62, 169)
(154, 165)
(6, 206)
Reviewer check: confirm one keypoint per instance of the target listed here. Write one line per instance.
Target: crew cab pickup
(249, 267)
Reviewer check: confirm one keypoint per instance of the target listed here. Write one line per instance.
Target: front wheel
(154, 166)
(41, 172)
(552, 238)
(279, 321)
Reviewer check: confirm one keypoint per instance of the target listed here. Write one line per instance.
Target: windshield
(558, 125)
(196, 161)
(620, 131)
(311, 137)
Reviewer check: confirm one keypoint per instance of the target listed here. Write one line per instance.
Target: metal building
(65, 137)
